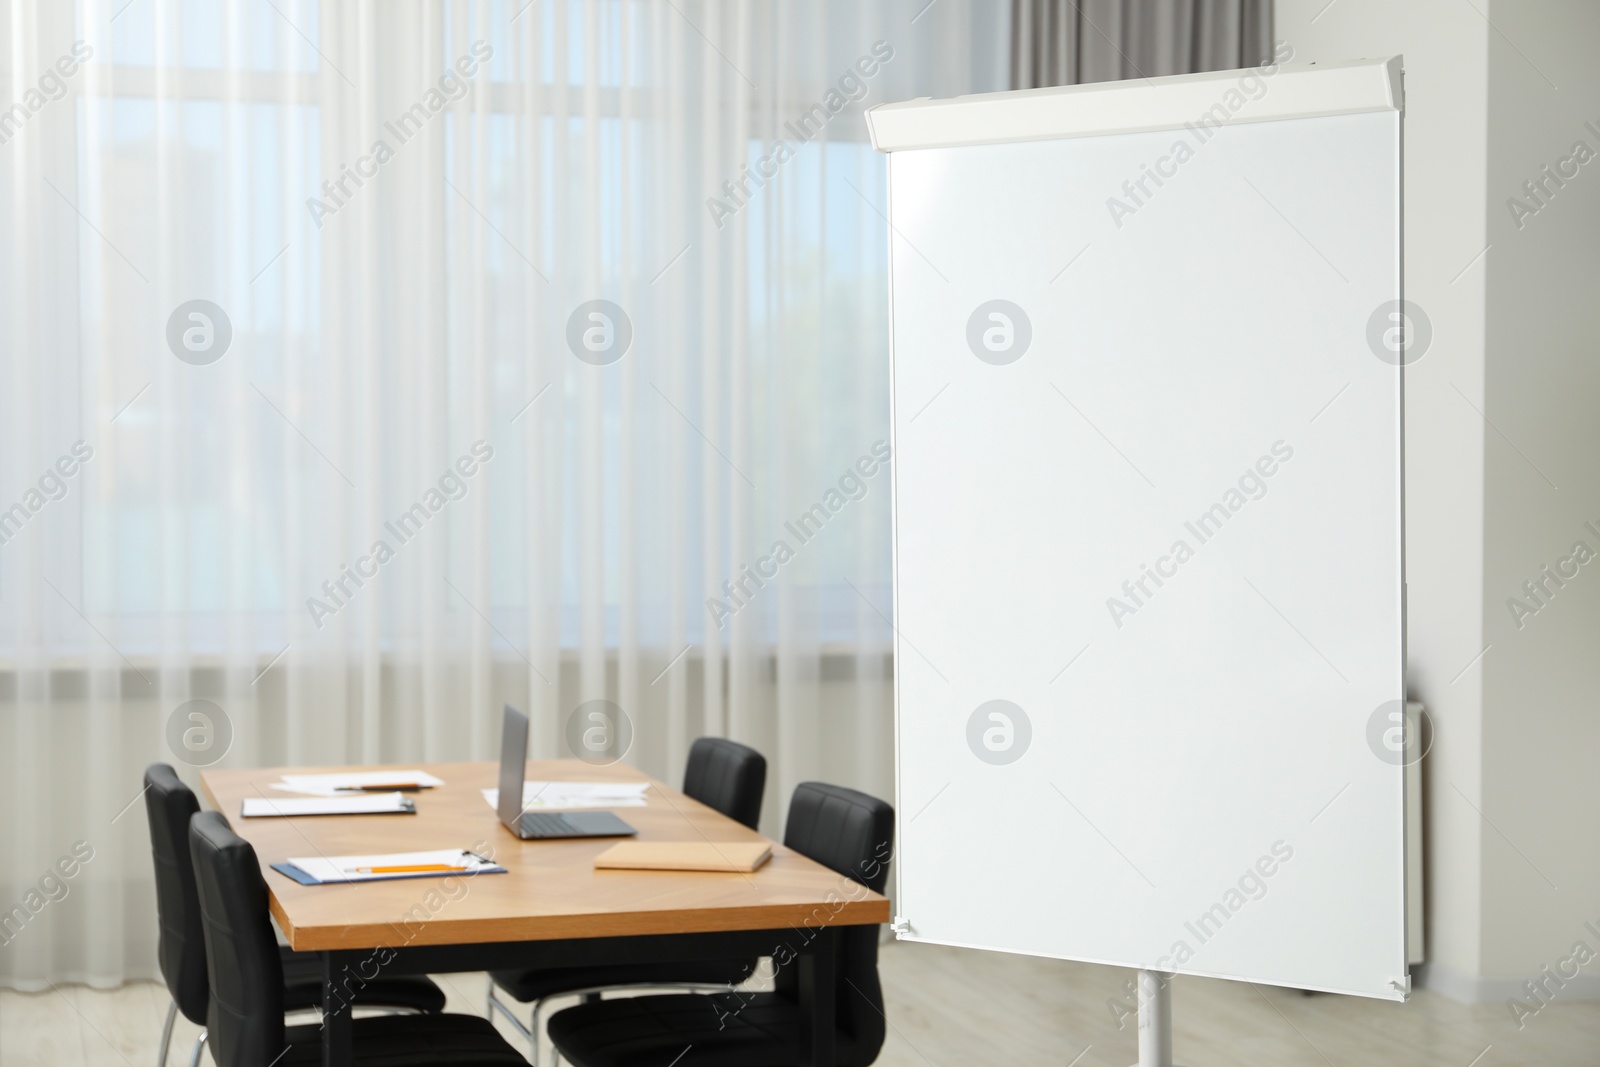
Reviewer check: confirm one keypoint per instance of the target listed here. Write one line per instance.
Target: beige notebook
(685, 856)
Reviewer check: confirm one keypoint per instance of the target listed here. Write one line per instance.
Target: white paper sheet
(349, 783)
(549, 796)
(352, 804)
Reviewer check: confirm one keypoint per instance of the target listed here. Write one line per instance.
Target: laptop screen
(513, 765)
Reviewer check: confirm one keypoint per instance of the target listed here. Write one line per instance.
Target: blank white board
(1148, 525)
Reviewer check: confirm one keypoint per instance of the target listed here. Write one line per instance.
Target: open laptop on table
(540, 825)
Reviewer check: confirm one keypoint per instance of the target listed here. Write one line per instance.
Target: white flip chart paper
(1148, 524)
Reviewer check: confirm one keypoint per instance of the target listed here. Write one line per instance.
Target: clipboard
(344, 870)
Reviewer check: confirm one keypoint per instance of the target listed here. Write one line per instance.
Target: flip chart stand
(992, 199)
(1155, 1019)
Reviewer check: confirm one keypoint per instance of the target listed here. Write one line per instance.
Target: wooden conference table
(552, 908)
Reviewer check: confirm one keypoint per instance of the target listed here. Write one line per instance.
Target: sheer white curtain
(314, 447)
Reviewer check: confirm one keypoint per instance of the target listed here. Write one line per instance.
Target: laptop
(541, 825)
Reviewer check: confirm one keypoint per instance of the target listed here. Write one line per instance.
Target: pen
(415, 868)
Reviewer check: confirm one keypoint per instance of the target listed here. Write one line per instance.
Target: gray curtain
(1064, 42)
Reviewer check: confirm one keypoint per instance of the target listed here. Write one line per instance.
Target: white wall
(1445, 44)
(1541, 880)
(1494, 91)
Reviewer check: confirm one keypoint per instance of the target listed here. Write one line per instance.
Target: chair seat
(760, 1030)
(302, 987)
(410, 1041)
(537, 984)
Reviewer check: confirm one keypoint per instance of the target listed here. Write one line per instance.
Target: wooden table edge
(870, 912)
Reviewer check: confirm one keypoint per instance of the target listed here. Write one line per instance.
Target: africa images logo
(199, 332)
(999, 732)
(599, 332)
(999, 332)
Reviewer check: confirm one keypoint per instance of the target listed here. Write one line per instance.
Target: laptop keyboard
(543, 824)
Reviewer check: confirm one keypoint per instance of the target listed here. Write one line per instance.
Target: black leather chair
(727, 776)
(170, 805)
(847, 831)
(720, 774)
(246, 980)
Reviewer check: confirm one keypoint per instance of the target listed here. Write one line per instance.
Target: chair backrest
(851, 833)
(245, 1019)
(727, 776)
(181, 947)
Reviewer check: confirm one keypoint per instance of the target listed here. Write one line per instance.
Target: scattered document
(349, 783)
(439, 863)
(553, 796)
(343, 804)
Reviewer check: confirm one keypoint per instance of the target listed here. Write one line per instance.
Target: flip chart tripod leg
(1155, 1019)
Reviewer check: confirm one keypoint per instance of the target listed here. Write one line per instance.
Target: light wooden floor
(948, 1007)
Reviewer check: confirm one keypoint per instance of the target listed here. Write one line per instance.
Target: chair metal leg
(532, 1031)
(535, 1029)
(493, 1004)
(199, 1043)
(166, 1034)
